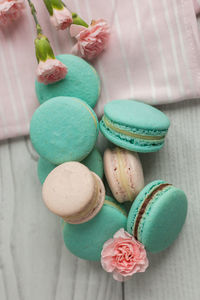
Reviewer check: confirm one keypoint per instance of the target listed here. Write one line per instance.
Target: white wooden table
(34, 263)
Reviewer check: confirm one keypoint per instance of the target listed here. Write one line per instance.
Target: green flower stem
(43, 48)
(34, 14)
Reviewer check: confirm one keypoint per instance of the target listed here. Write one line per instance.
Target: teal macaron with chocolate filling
(134, 125)
(157, 215)
(86, 240)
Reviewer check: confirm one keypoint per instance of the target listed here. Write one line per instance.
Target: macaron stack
(96, 226)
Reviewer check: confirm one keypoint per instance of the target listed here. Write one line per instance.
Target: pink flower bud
(91, 41)
(61, 18)
(10, 10)
(50, 71)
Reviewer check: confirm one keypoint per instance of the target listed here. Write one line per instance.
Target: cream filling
(95, 121)
(115, 206)
(131, 134)
(122, 174)
(93, 204)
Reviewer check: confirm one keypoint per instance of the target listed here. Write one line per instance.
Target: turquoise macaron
(157, 215)
(134, 125)
(64, 129)
(86, 240)
(44, 167)
(81, 81)
(93, 161)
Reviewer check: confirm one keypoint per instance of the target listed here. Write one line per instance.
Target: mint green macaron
(64, 129)
(157, 215)
(44, 167)
(86, 240)
(134, 125)
(93, 161)
(81, 81)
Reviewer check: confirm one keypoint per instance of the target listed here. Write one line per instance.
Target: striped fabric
(197, 6)
(153, 55)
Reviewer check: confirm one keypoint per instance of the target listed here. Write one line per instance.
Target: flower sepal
(50, 5)
(78, 21)
(43, 48)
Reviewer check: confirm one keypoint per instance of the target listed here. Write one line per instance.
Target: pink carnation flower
(123, 256)
(92, 41)
(61, 18)
(50, 71)
(10, 10)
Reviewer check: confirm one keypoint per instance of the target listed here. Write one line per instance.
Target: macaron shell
(122, 206)
(136, 114)
(136, 146)
(44, 168)
(163, 217)
(68, 189)
(64, 129)
(134, 125)
(124, 173)
(81, 81)
(94, 162)
(86, 240)
(163, 220)
(138, 202)
(100, 201)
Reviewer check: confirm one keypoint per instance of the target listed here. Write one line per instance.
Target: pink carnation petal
(107, 266)
(50, 71)
(93, 40)
(144, 266)
(76, 29)
(121, 233)
(124, 256)
(118, 277)
(61, 18)
(10, 11)
(75, 50)
(108, 243)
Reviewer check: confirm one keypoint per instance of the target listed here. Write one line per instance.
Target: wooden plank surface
(34, 263)
(174, 273)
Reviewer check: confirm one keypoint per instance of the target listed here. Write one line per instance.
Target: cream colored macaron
(73, 192)
(124, 173)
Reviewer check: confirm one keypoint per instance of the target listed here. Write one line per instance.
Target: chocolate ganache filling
(145, 204)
